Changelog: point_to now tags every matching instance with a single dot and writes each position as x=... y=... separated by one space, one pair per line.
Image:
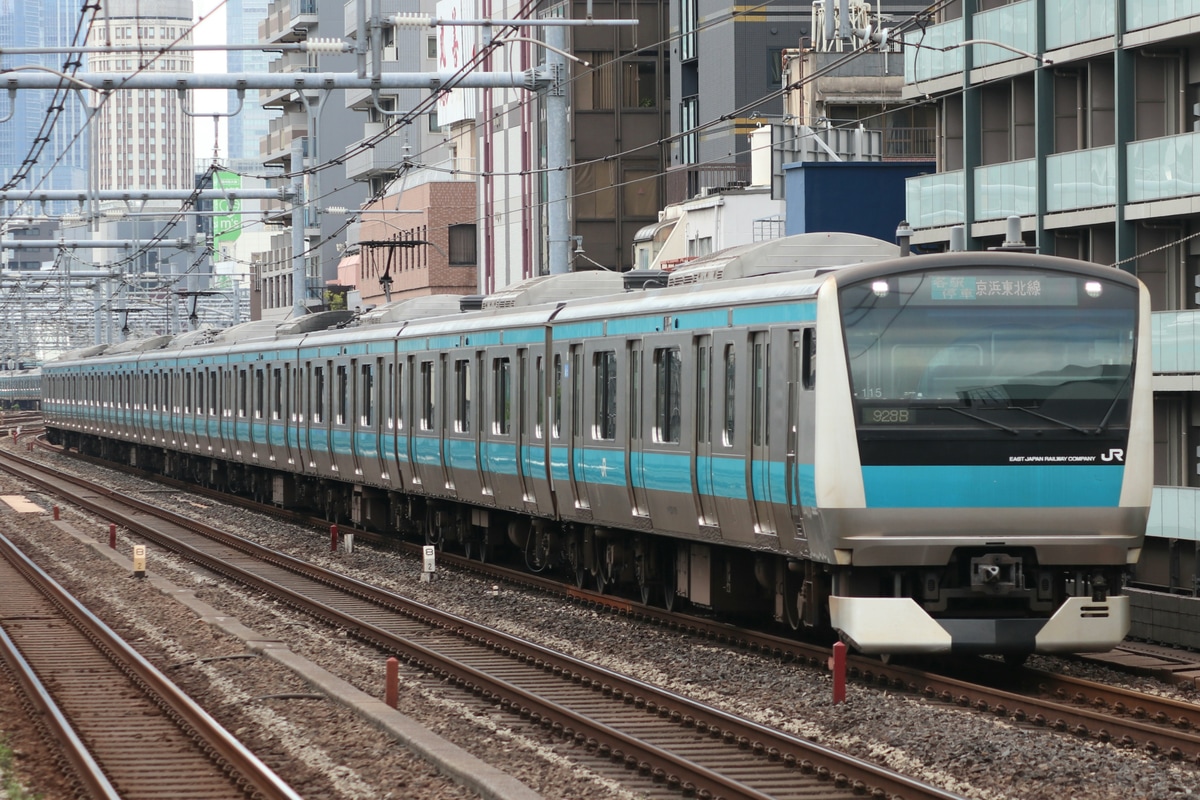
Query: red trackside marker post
x=391 y=692
x=838 y=664
x=333 y=538
x=112 y=536
x=56 y=513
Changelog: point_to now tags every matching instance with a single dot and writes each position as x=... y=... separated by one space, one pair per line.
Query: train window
x=398 y=397
x=808 y=358
x=276 y=393
x=343 y=394
x=556 y=423
x=462 y=396
x=635 y=393
x=187 y=393
x=367 y=403
x=605 y=368
x=318 y=396
x=212 y=392
x=702 y=421
x=730 y=393
x=576 y=391
x=667 y=369
x=427 y=387
x=539 y=417
x=241 y=393
x=295 y=407
x=258 y=394
x=503 y=395
x=758 y=413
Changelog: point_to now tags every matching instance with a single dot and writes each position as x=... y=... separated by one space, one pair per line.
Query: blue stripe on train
x=1033 y=486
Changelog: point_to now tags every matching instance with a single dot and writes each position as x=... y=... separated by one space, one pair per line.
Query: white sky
x=210 y=31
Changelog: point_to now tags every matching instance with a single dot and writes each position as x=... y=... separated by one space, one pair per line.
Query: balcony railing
x=935 y=200
x=684 y=183
x=1081 y=179
x=1165 y=167
x=1002 y=190
x=1072 y=21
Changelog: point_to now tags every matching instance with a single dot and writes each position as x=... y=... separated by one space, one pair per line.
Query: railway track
x=659 y=737
x=1027 y=697
x=122 y=729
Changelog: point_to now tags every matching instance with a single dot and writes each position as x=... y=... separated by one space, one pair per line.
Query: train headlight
x=880 y=288
x=1093 y=288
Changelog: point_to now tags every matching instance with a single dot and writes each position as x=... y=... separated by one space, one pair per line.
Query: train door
x=801 y=374
x=729 y=464
x=576 y=438
x=520 y=403
x=537 y=432
x=637 y=448
x=702 y=469
x=760 y=431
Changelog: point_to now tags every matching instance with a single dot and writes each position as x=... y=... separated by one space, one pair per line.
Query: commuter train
x=930 y=454
x=20 y=388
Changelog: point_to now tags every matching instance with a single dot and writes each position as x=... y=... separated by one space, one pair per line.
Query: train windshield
x=1043 y=349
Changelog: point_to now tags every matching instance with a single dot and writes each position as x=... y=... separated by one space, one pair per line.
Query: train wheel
x=575 y=560
x=792 y=586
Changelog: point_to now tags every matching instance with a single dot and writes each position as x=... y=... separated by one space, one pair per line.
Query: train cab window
x=258 y=393
x=367 y=397
x=318 y=398
x=667 y=372
x=462 y=396
x=343 y=394
x=276 y=393
x=427 y=395
x=502 y=393
x=730 y=393
x=605 y=423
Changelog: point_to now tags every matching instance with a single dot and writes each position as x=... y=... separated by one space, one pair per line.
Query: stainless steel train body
x=21 y=388
x=927 y=454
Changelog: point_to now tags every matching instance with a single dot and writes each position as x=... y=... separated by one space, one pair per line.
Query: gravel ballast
x=327 y=752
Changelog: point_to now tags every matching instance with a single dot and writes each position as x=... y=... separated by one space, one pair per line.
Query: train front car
x=1001 y=407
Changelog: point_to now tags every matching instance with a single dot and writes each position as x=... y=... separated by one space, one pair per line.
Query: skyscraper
x=44 y=143
x=253 y=122
x=139 y=134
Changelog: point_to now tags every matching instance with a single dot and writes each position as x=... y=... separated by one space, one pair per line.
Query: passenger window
x=259 y=393
x=605 y=368
x=702 y=393
x=556 y=425
x=343 y=393
x=462 y=394
x=427 y=387
x=366 y=412
x=667 y=370
x=318 y=414
x=277 y=393
x=730 y=393
x=502 y=392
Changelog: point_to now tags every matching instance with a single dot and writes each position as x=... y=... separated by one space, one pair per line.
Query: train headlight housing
x=880 y=288
x=1093 y=288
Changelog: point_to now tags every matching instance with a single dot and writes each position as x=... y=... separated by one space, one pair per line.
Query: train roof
x=809 y=252
x=434 y=305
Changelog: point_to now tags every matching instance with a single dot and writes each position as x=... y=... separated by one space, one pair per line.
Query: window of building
x=462 y=245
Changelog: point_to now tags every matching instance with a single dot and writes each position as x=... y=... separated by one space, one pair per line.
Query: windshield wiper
x=1055 y=420
x=984 y=420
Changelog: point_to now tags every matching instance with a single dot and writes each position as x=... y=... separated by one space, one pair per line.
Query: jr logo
x=1115 y=454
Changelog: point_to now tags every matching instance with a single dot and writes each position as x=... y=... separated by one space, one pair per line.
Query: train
x=21 y=388
x=921 y=454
